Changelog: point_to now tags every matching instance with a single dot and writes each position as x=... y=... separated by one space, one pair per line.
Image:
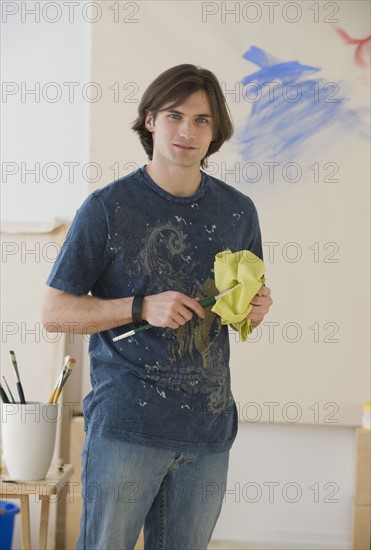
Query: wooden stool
x=44 y=489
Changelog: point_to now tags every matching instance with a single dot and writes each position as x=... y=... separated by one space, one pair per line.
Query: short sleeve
x=255 y=244
x=84 y=254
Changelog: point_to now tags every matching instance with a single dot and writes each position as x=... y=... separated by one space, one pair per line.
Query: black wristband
x=136 y=309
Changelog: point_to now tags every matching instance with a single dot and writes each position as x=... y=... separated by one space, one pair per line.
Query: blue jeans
x=177 y=496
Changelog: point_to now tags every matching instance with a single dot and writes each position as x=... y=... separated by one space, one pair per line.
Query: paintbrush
x=4 y=397
x=67 y=369
x=59 y=380
x=204 y=303
x=17 y=378
x=9 y=390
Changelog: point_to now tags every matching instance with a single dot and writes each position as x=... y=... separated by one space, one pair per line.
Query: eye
x=174 y=116
x=203 y=120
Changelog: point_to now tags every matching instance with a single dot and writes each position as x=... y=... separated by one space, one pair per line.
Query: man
x=161 y=418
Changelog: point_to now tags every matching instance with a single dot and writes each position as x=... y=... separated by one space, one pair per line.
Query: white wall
x=35 y=130
x=40 y=134
x=289 y=486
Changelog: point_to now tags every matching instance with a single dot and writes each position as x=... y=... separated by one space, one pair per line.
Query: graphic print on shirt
x=167 y=258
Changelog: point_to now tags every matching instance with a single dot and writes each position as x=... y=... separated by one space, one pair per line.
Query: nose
x=186 y=130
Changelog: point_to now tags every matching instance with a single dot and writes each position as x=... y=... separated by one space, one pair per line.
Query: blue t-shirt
x=161 y=387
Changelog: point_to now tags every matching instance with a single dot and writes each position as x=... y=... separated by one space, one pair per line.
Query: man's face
x=182 y=134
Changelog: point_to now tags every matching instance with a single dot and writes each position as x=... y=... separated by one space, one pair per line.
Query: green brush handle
x=204 y=303
x=208 y=301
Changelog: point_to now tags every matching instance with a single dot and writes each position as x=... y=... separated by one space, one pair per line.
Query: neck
x=178 y=180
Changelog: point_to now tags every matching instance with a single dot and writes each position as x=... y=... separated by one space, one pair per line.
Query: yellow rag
x=244 y=272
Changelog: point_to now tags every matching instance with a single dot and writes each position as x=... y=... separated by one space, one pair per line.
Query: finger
x=264 y=291
x=171 y=324
x=257 y=312
x=186 y=313
x=265 y=301
x=193 y=305
x=259 y=300
x=255 y=318
x=182 y=319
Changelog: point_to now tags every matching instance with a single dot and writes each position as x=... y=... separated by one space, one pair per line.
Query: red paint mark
x=362 y=52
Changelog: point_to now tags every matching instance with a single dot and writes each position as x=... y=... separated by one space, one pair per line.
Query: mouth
x=184 y=147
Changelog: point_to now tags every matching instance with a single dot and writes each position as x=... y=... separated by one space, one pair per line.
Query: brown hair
x=174 y=86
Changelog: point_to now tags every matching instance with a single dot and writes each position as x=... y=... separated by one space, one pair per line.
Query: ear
x=149 y=122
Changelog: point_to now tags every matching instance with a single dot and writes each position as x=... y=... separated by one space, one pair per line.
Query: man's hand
x=170 y=309
x=261 y=303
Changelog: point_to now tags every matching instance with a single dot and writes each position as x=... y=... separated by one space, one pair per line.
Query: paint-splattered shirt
x=161 y=387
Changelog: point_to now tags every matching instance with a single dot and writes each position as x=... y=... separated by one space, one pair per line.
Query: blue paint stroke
x=280 y=129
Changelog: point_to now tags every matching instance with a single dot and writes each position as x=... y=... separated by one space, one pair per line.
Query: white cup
x=28 y=434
